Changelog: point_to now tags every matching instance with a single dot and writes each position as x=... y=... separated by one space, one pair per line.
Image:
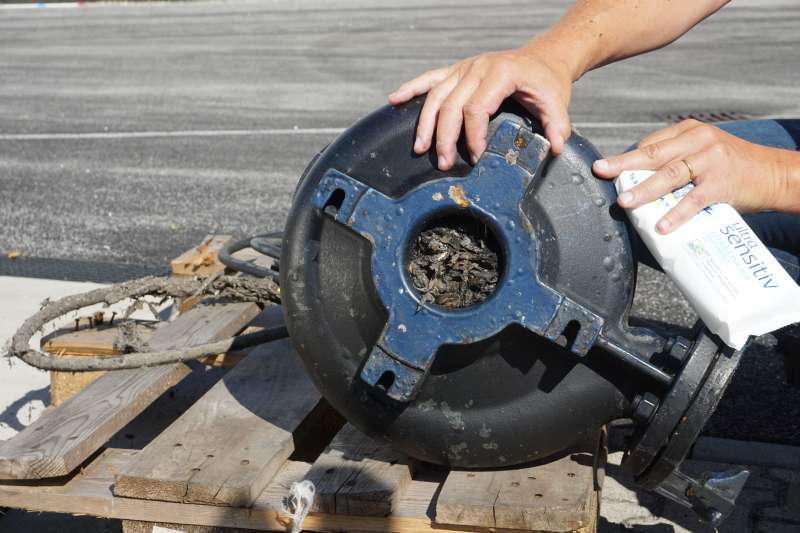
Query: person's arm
x=723 y=167
x=540 y=73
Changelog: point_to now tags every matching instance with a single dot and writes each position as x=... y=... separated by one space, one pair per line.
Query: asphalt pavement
x=128 y=132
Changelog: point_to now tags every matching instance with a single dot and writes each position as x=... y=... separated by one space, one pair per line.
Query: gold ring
x=691 y=171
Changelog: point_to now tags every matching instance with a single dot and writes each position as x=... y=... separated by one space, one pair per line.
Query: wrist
x=787 y=177
x=565 y=60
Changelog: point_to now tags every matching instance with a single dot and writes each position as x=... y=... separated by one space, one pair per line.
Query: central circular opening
x=455 y=262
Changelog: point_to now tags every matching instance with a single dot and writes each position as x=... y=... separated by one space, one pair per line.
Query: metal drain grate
x=710 y=116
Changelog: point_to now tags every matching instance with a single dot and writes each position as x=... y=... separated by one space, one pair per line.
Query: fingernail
x=442 y=162
x=663 y=225
x=473 y=159
x=418 y=144
x=626 y=198
x=601 y=165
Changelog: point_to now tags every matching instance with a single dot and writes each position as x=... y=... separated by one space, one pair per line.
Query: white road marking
x=41 y=5
x=101 y=135
x=155 y=134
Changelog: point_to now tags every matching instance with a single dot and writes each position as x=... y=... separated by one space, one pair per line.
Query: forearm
x=597 y=32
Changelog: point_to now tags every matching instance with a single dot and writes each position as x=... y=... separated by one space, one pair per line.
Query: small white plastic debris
x=299 y=502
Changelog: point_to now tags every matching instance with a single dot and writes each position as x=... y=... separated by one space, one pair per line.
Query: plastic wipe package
x=730 y=278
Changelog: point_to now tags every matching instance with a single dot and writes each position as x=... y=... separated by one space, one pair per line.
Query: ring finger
x=666 y=179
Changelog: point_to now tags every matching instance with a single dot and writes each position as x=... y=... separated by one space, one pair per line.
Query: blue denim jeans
x=778 y=231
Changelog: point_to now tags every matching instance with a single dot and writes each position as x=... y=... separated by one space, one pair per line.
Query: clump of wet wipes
x=455 y=264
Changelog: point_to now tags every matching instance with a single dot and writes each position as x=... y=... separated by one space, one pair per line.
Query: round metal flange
x=693 y=421
x=656 y=434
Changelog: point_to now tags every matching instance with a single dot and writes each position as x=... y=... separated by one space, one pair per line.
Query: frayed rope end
x=299 y=502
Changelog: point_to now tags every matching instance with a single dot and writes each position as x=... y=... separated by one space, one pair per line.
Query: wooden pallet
x=199 y=448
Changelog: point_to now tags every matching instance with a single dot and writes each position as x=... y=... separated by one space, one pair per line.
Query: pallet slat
x=202 y=260
x=67 y=435
x=87 y=341
x=357 y=475
x=555 y=496
x=227 y=447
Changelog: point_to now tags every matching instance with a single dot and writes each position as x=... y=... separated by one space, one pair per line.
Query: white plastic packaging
x=730 y=278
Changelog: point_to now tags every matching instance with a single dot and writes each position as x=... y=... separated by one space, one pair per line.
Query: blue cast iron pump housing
x=546 y=359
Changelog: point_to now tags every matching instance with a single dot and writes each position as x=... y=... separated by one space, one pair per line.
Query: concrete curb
x=717 y=450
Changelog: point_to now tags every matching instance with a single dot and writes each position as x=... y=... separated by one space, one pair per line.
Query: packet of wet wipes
x=730 y=278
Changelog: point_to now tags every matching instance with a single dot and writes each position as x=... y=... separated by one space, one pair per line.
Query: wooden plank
x=85 y=341
x=67 y=435
x=90 y=493
x=554 y=496
x=202 y=260
x=91 y=341
x=229 y=445
x=357 y=475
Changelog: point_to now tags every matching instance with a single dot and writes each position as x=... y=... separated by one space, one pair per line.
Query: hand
x=723 y=167
x=470 y=91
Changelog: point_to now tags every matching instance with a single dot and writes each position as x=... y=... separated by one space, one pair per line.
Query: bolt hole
x=178 y=444
x=515 y=483
x=570 y=334
x=210 y=456
x=571 y=474
x=537 y=495
x=244 y=462
x=334 y=203
x=386 y=380
x=195 y=469
x=470 y=474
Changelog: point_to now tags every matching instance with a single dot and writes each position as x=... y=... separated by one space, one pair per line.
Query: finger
x=697 y=199
x=557 y=127
x=419 y=85
x=651 y=156
x=666 y=179
x=552 y=114
x=451 y=117
x=430 y=110
x=669 y=132
x=485 y=101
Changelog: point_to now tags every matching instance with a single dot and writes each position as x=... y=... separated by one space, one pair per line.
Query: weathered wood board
x=67 y=435
x=94 y=341
x=554 y=496
x=90 y=493
x=357 y=475
x=202 y=260
x=229 y=444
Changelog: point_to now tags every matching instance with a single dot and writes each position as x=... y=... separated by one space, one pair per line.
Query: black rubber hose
x=226 y=256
